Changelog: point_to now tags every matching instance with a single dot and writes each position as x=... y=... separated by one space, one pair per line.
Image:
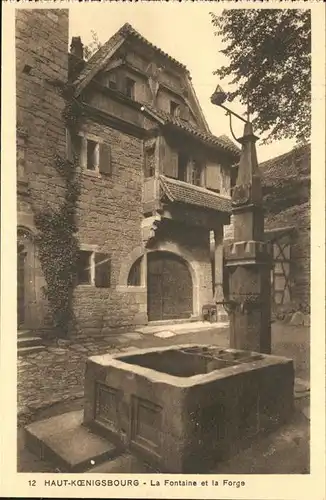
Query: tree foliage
x=269 y=52
x=92 y=47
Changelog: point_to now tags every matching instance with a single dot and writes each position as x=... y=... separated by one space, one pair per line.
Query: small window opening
x=112 y=84
x=149 y=162
x=27 y=69
x=84 y=268
x=91 y=152
x=130 y=88
x=134 y=277
x=174 y=108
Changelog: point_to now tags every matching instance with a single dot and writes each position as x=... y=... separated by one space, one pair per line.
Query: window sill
x=92 y=173
x=87 y=287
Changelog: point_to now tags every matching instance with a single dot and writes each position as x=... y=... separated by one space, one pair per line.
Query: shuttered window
x=102 y=270
x=213 y=177
x=183 y=161
x=196 y=172
x=92 y=155
x=94 y=269
x=169 y=158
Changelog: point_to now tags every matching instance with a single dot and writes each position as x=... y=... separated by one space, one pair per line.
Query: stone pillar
x=218 y=273
x=247 y=257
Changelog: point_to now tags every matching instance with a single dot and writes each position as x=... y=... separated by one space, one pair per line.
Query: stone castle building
x=155 y=181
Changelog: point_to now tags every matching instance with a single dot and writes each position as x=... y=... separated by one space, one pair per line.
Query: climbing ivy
x=56 y=229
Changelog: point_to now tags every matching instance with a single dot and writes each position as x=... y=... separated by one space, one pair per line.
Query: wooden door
x=169 y=287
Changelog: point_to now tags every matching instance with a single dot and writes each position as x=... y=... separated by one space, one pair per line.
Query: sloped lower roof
x=292 y=165
x=103 y=54
x=222 y=141
x=182 y=192
x=296 y=215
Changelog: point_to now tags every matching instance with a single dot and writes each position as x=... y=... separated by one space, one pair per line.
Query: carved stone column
x=247 y=257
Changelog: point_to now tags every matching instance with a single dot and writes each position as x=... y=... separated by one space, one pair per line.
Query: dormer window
x=174 y=108
x=130 y=88
x=112 y=82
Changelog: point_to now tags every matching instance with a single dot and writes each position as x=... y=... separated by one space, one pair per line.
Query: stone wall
x=109 y=218
x=41 y=55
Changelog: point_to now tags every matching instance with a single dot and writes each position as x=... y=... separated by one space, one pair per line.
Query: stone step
x=122 y=464
x=65 y=442
x=28 y=341
x=23 y=351
x=24 y=333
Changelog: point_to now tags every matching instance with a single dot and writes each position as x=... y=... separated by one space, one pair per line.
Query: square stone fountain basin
x=183 y=408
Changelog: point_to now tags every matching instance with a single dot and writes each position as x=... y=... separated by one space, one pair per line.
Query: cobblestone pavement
x=57 y=373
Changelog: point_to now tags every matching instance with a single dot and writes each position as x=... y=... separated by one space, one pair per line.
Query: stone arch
x=127 y=263
x=30 y=279
x=165 y=246
x=135 y=274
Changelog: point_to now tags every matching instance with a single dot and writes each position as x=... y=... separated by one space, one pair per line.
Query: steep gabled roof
x=104 y=53
x=222 y=142
x=102 y=56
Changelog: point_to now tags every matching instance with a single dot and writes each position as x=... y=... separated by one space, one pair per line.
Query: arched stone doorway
x=169 y=287
x=25 y=278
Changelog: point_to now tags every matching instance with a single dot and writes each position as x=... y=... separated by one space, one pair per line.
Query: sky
x=185 y=32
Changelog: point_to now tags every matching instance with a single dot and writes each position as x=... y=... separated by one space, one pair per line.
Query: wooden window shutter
x=213 y=176
x=170 y=161
x=102 y=270
x=105 y=163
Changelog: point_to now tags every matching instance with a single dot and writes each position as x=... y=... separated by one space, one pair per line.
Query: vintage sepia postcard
x=163 y=244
